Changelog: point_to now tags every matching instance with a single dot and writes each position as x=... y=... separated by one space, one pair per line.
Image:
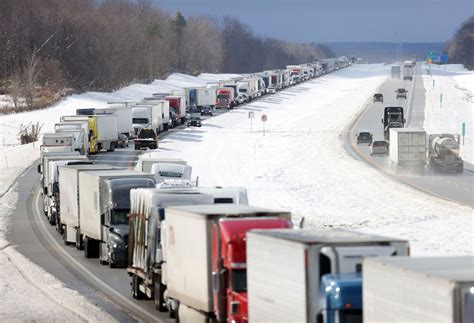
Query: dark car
x=364 y=137
x=194 y=122
x=207 y=110
x=401 y=93
x=378 y=97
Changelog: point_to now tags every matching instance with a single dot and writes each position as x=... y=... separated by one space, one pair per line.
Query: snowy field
x=457 y=88
x=300 y=165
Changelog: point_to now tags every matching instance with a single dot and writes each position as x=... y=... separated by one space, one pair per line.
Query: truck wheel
x=65 y=237
x=52 y=219
x=87 y=248
x=136 y=292
x=79 y=241
x=111 y=147
x=159 y=298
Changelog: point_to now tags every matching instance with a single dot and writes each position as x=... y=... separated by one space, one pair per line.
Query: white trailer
x=163 y=106
x=69 y=203
x=80 y=131
x=123 y=111
x=169 y=171
x=56 y=142
x=428 y=289
x=287 y=269
x=408 y=70
x=206 y=96
x=223 y=195
x=407 y=147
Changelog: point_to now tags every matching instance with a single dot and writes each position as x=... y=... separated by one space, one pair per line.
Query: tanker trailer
x=443 y=153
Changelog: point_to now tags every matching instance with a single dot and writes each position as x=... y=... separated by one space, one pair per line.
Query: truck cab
x=229 y=263
x=393 y=118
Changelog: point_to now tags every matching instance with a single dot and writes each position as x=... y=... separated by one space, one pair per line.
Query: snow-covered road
x=301 y=165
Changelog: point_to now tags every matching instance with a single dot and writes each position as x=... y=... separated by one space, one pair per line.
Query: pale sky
x=338 y=20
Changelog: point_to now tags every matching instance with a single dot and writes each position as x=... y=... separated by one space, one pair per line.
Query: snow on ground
x=27 y=292
x=300 y=165
x=456 y=85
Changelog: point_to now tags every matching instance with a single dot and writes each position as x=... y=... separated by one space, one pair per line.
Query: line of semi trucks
x=92 y=130
x=204 y=254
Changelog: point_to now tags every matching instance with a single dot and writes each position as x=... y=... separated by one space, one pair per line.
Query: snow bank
x=456 y=86
x=300 y=164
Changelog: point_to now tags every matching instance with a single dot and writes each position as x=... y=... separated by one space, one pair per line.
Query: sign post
x=251 y=116
x=440 y=100
x=264 y=119
x=463 y=132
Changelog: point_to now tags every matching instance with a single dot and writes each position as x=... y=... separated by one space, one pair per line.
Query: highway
x=458 y=188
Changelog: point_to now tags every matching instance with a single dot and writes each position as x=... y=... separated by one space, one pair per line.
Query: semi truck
x=69 y=203
x=393 y=117
x=80 y=133
x=146 y=254
x=408 y=70
x=443 y=153
x=102 y=131
x=310 y=275
x=171 y=172
x=225 y=98
x=148 y=159
x=50 y=182
x=206 y=96
x=146 y=116
x=104 y=203
x=178 y=103
x=421 y=289
x=212 y=239
x=226 y=195
x=395 y=71
x=146 y=138
x=56 y=142
x=407 y=148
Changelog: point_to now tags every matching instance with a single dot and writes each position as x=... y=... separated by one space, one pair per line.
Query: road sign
x=264 y=118
x=463 y=132
x=251 y=114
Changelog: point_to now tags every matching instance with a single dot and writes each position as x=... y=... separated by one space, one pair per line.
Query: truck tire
x=136 y=292
x=87 y=248
x=52 y=219
x=65 y=237
x=159 y=290
x=79 y=240
x=111 y=147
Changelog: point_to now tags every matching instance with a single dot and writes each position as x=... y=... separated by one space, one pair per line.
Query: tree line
x=103 y=45
x=461 y=47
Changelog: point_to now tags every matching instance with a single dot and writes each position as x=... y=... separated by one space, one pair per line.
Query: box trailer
x=56 y=142
x=146 y=161
x=407 y=147
x=163 y=107
x=428 y=289
x=69 y=203
x=206 y=96
x=294 y=275
x=104 y=203
x=123 y=112
x=146 y=116
x=80 y=131
x=178 y=103
x=205 y=258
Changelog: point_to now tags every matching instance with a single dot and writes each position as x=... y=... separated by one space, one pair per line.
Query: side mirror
x=381 y=120
x=45 y=190
x=215 y=281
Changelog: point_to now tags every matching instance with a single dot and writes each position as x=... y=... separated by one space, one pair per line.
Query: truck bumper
x=118 y=258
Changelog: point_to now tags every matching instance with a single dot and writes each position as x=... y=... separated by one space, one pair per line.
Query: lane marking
x=97 y=280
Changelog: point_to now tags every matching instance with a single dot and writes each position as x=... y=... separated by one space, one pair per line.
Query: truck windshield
x=119 y=217
x=140 y=120
x=223 y=96
x=239 y=280
x=395 y=117
x=351 y=316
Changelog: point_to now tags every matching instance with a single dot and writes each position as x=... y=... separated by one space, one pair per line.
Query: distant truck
x=407 y=147
x=123 y=112
x=57 y=142
x=393 y=117
x=178 y=103
x=214 y=287
x=69 y=203
x=146 y=161
x=310 y=275
x=80 y=131
x=443 y=153
x=206 y=96
x=407 y=289
x=408 y=70
x=152 y=114
x=225 y=98
x=395 y=71
x=102 y=131
x=104 y=204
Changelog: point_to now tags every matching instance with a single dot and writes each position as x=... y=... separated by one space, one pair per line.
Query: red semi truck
x=206 y=259
x=225 y=98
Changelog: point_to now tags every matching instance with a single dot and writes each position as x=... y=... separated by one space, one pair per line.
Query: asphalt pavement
x=453 y=187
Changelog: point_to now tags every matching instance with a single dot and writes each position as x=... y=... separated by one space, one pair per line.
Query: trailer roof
x=460 y=269
x=117 y=173
x=407 y=130
x=317 y=236
x=92 y=167
x=228 y=209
